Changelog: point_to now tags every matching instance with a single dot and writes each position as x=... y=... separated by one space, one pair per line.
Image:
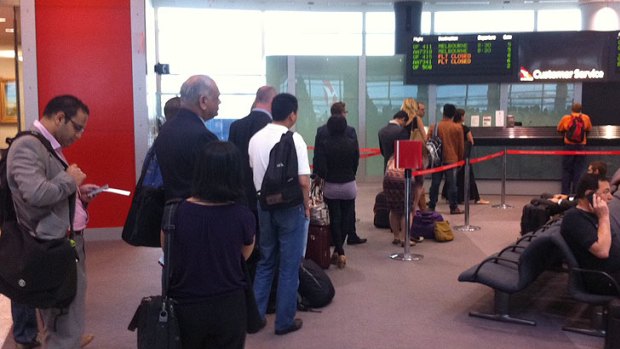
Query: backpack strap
x=46 y=143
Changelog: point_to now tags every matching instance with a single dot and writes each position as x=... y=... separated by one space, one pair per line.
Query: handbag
x=143 y=223
x=35 y=272
x=157 y=324
x=393 y=172
x=155 y=319
x=443 y=231
x=319 y=212
x=424 y=224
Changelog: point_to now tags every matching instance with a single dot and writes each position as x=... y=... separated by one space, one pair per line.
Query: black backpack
x=280 y=187
x=576 y=129
x=315 y=287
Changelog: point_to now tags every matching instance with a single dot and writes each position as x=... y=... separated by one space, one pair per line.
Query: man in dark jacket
x=393 y=131
x=243 y=129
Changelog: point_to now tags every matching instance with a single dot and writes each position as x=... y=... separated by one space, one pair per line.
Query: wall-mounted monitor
x=444 y=59
x=539 y=57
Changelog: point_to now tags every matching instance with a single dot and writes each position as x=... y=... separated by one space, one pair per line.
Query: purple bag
x=424 y=224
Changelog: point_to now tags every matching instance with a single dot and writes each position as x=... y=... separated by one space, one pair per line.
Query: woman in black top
x=459 y=118
x=213 y=236
x=337 y=163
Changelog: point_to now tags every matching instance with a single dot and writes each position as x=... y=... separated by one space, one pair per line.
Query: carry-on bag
x=381 y=211
x=155 y=319
x=424 y=224
x=319 y=239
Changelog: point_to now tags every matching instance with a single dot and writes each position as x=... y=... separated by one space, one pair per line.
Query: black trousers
x=342 y=221
x=216 y=323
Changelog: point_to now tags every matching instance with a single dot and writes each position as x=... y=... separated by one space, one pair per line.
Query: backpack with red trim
x=576 y=129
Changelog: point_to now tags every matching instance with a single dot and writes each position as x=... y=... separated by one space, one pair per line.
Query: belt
x=79 y=232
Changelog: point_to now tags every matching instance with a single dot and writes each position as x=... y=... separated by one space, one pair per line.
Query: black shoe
x=356 y=241
x=297 y=323
x=33 y=344
x=456 y=211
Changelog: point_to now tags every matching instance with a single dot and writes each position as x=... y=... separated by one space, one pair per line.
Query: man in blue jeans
x=452 y=150
x=284 y=231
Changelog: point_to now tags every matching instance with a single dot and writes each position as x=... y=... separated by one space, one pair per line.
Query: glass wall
x=539 y=104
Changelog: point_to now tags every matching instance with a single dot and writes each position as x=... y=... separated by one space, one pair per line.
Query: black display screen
x=455 y=58
x=563 y=56
x=539 y=57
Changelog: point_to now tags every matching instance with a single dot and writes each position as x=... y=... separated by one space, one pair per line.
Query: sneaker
x=417 y=238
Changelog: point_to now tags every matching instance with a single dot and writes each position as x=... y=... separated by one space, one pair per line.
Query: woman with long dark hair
x=213 y=236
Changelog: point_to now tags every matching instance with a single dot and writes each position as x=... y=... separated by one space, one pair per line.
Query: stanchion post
x=466 y=196
x=503 y=204
x=406 y=160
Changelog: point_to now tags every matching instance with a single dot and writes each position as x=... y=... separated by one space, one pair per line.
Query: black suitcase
x=534 y=216
x=381 y=211
x=319 y=239
x=612 y=332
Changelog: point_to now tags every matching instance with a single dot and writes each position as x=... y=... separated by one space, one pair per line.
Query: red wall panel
x=84 y=49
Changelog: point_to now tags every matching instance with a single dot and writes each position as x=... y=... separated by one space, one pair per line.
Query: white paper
x=117 y=191
x=499 y=118
x=474 y=121
x=487 y=121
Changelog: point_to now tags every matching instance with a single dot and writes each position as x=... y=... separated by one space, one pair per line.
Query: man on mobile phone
x=587 y=230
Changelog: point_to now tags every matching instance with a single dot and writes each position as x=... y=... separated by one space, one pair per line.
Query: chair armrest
x=511 y=247
x=605 y=275
x=493 y=259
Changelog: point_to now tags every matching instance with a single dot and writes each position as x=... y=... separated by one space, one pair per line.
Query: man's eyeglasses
x=77 y=127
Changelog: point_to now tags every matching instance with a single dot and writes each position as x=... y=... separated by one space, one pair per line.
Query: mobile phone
x=94 y=193
x=590 y=198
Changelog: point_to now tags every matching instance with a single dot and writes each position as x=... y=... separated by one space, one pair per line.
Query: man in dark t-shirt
x=587 y=229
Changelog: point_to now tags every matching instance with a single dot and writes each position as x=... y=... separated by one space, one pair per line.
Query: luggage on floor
x=381 y=211
x=534 y=216
x=612 y=332
x=319 y=239
x=424 y=224
x=315 y=287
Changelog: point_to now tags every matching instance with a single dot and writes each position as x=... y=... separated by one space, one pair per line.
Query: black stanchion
x=406 y=255
x=466 y=195
x=503 y=204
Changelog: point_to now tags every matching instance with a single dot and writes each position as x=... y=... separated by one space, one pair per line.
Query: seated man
x=587 y=230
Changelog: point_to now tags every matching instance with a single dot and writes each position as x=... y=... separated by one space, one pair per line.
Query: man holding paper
x=43 y=189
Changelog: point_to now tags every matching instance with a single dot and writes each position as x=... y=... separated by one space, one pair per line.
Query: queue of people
x=213 y=224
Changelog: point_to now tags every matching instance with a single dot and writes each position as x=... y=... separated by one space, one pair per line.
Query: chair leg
x=502 y=304
x=598 y=323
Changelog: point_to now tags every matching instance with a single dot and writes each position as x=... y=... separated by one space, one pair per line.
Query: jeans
x=24 y=323
x=284 y=234
x=450 y=182
x=573 y=167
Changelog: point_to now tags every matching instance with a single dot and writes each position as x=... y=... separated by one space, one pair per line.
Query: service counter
x=489 y=140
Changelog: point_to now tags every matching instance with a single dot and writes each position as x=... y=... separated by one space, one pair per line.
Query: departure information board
x=457 y=58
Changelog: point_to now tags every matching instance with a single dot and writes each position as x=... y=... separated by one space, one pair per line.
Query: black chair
x=507 y=275
x=577 y=288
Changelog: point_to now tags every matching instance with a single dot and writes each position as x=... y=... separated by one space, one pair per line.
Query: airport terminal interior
x=519 y=66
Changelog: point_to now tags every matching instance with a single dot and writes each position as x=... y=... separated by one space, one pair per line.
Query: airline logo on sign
x=576 y=74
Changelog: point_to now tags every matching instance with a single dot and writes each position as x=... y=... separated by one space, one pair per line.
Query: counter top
x=542 y=136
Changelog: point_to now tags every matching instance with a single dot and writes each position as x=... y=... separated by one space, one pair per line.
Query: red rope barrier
x=486 y=158
x=563 y=152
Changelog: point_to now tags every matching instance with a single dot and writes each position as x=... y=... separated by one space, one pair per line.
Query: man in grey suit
x=42 y=192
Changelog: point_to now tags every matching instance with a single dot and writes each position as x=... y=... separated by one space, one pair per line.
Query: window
x=483 y=21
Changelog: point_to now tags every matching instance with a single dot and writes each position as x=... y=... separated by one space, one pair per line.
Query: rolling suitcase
x=381 y=211
x=534 y=216
x=319 y=238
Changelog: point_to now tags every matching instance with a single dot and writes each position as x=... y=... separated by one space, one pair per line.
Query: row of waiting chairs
x=518 y=265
